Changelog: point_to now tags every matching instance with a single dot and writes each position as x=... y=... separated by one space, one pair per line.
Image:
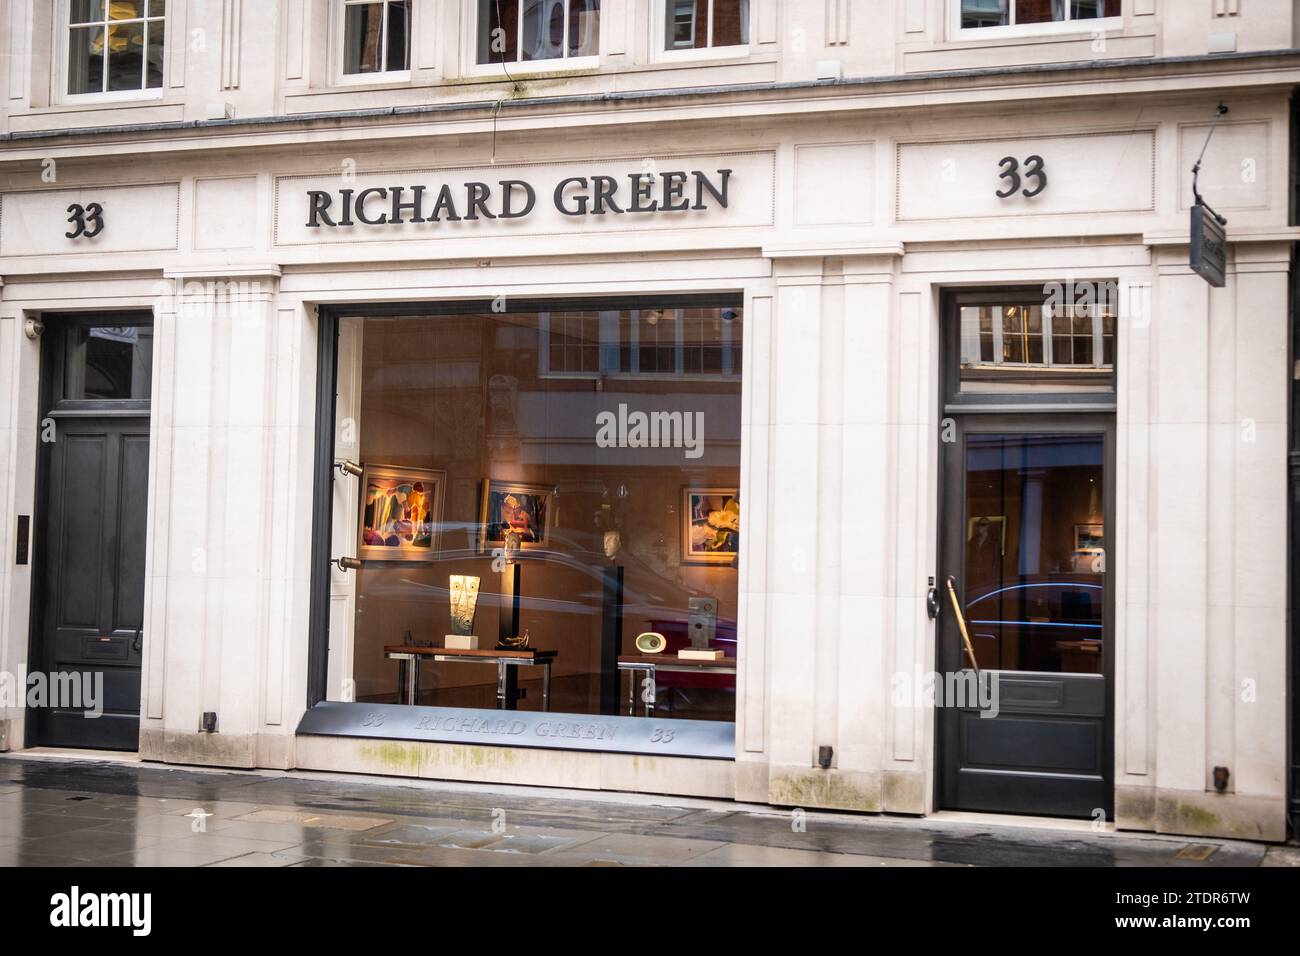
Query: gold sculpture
x=517 y=643
x=464 y=599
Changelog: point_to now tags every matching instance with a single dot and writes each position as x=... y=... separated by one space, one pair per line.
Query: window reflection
x=108 y=363
x=115 y=46
x=564 y=442
x=376 y=36
x=1035 y=551
x=1021 y=344
x=524 y=30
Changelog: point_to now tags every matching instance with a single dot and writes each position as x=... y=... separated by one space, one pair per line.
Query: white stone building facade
x=865 y=143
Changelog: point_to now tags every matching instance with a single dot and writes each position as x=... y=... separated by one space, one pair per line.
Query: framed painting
x=1089 y=539
x=513 y=506
x=982 y=530
x=400 y=512
x=710 y=525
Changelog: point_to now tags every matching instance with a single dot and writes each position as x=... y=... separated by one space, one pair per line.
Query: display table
x=411 y=656
x=651 y=664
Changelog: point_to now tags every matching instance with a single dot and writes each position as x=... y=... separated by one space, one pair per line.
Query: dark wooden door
x=1026 y=507
x=88 y=636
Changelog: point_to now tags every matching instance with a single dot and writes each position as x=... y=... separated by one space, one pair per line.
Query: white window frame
x=1107 y=25
x=469 y=15
x=63 y=14
x=659 y=33
x=1046 y=335
x=338 y=24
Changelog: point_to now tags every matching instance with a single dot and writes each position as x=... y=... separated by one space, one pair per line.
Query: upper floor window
x=376 y=36
x=115 y=46
x=546 y=30
x=699 y=24
x=1004 y=13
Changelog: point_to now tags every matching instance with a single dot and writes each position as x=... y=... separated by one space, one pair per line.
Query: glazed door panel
x=1025 y=693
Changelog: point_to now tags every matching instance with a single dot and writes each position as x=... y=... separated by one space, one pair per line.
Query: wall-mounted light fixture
x=347 y=564
x=32 y=328
x=349 y=468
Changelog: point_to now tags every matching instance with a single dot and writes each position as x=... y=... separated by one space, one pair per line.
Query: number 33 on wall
x=1034 y=169
x=87 y=221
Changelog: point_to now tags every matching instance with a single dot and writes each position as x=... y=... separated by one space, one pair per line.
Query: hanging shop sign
x=733 y=189
x=1209 y=242
x=1209 y=246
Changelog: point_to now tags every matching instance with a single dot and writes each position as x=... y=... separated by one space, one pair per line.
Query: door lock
x=932 y=600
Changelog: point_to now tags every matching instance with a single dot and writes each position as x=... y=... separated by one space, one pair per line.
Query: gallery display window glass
x=558 y=478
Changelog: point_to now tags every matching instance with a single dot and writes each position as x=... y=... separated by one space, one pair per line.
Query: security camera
x=33 y=328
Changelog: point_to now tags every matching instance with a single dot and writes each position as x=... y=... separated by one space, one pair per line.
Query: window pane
x=157 y=8
x=688 y=24
x=86 y=11
x=126 y=56
x=985 y=13
x=363 y=24
x=1035 y=538
x=469 y=450
x=498 y=31
x=86 y=60
x=1093 y=9
x=584 y=27
x=1039 y=11
x=125 y=9
x=730 y=22
x=154 y=64
x=543 y=29
x=1035 y=346
x=1020 y=347
x=397 y=42
x=108 y=363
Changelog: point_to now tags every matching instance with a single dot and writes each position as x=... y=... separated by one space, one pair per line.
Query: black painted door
x=1024 y=695
x=88 y=631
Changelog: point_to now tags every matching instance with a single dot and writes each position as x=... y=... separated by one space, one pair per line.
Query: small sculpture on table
x=463 y=592
x=517 y=643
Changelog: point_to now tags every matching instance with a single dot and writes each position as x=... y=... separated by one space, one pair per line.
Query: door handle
x=961 y=625
x=137 y=644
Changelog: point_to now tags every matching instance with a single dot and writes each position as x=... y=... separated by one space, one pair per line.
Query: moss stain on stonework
x=399 y=758
x=1193 y=819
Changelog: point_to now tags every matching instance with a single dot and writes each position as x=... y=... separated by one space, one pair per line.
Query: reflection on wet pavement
x=72 y=812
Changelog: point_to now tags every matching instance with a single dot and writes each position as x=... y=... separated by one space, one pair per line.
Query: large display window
x=536 y=506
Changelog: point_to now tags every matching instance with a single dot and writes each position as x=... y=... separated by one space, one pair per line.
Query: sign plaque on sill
x=1209 y=257
x=713 y=739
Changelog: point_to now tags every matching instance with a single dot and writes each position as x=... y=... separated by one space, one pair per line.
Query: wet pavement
x=77 y=812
